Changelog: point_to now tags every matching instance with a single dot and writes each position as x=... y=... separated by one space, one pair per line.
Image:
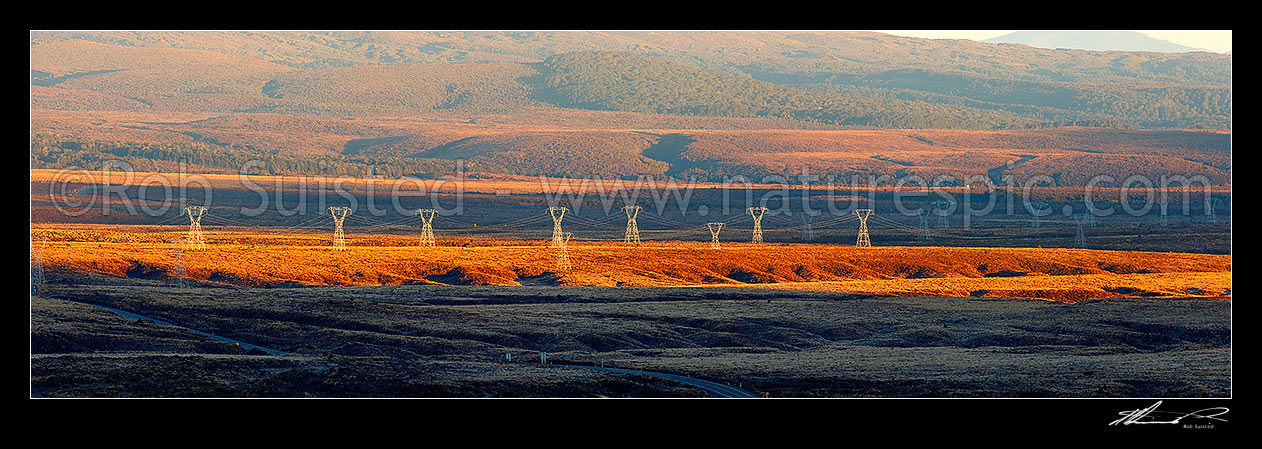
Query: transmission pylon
x=1034 y=214
x=1080 y=240
x=37 y=264
x=176 y=277
x=557 y=213
x=944 y=220
x=924 y=224
x=195 y=239
x=863 y=227
x=714 y=234
x=633 y=230
x=563 y=256
x=339 y=215
x=807 y=232
x=1164 y=207
x=427 y=229
x=757 y=213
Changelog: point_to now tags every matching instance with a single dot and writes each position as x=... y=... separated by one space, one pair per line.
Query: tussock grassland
x=629 y=145
x=408 y=341
x=293 y=259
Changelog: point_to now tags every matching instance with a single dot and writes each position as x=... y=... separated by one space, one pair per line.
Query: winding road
x=714 y=388
x=133 y=316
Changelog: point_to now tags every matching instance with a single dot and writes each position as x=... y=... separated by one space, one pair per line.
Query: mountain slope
x=731 y=52
x=404 y=88
x=1092 y=40
x=631 y=82
x=883 y=80
x=711 y=104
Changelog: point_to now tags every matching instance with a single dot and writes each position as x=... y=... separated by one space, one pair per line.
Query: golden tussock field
x=254 y=259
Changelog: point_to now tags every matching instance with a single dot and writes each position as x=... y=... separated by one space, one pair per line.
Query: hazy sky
x=1213 y=40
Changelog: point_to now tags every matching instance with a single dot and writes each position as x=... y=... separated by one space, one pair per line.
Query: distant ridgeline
x=839 y=78
x=682 y=104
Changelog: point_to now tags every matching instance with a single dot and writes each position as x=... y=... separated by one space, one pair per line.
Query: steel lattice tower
x=807 y=232
x=863 y=227
x=944 y=220
x=427 y=229
x=176 y=277
x=37 y=264
x=195 y=239
x=557 y=213
x=1164 y=208
x=757 y=213
x=1034 y=214
x=633 y=230
x=563 y=256
x=924 y=224
x=714 y=234
x=339 y=237
x=1080 y=240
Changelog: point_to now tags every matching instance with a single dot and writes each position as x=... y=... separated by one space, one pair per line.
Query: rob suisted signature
x=1150 y=415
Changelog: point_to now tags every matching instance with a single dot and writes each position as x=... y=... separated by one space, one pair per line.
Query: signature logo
x=1151 y=415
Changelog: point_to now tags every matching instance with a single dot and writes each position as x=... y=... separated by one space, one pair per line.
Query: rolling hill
x=874 y=73
x=630 y=82
x=710 y=104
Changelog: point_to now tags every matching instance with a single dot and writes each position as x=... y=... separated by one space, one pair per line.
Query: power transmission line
x=863 y=239
x=808 y=234
x=557 y=214
x=757 y=213
x=37 y=264
x=1080 y=240
x=176 y=277
x=339 y=237
x=633 y=229
x=563 y=256
x=1164 y=207
x=941 y=210
x=1035 y=215
x=427 y=230
x=924 y=224
x=195 y=240
x=714 y=233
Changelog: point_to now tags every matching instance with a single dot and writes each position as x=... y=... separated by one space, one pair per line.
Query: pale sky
x=1212 y=40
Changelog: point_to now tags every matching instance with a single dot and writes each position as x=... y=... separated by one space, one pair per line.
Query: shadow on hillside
x=45 y=79
x=668 y=149
x=355 y=146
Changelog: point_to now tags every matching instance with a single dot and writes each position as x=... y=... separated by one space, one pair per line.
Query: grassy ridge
x=631 y=82
x=1070 y=156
